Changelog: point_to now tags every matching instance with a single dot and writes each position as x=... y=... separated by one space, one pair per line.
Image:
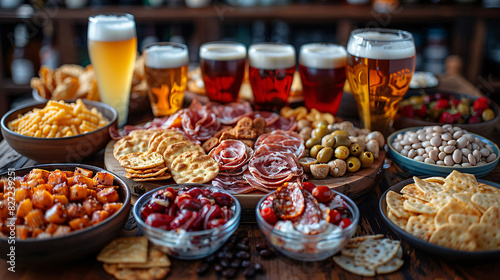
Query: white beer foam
x=382 y=50
x=271 y=56
x=221 y=51
x=166 y=56
x=322 y=56
x=111 y=28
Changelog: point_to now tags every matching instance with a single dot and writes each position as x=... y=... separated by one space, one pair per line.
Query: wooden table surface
x=418 y=265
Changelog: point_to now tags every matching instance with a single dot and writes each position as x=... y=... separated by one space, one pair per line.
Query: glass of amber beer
x=165 y=68
x=223 y=68
x=271 y=69
x=380 y=64
x=112 y=45
x=322 y=72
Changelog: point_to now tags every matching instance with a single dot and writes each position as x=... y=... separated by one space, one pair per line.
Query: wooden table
x=418 y=265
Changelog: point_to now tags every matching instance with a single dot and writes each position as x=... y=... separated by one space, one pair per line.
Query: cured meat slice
x=199 y=121
x=290 y=140
x=263 y=186
x=231 y=113
x=269 y=117
x=234 y=172
x=283 y=124
x=289 y=202
x=232 y=184
x=231 y=154
x=274 y=165
x=309 y=222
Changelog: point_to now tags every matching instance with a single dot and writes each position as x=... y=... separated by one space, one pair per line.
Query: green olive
x=366 y=159
x=322 y=123
x=312 y=141
x=340 y=132
x=329 y=128
x=320 y=131
x=324 y=155
x=488 y=115
x=342 y=140
x=315 y=150
x=328 y=141
x=353 y=164
x=355 y=150
x=342 y=152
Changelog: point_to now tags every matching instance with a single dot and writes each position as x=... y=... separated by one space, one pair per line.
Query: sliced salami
x=309 y=221
x=289 y=202
x=283 y=124
x=231 y=155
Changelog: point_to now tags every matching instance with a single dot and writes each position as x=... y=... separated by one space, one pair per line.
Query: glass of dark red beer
x=271 y=69
x=322 y=72
x=223 y=68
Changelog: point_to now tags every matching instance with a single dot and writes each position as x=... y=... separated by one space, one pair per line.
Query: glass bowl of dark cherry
x=187 y=221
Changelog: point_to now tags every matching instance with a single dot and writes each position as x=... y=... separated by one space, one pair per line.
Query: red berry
x=480 y=104
x=442 y=104
x=422 y=111
x=269 y=216
x=446 y=117
x=455 y=102
x=322 y=193
x=475 y=119
x=457 y=117
x=334 y=216
x=345 y=222
x=308 y=186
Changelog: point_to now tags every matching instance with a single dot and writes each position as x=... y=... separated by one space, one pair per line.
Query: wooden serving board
x=351 y=184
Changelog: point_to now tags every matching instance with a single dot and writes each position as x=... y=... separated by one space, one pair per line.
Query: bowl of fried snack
x=456 y=218
x=63 y=212
x=57 y=131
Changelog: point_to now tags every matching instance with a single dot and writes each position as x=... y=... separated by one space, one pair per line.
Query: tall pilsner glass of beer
x=271 y=69
x=380 y=64
x=166 y=67
x=112 y=45
x=322 y=71
x=223 y=68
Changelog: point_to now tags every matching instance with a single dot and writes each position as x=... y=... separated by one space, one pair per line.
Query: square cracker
x=356 y=241
x=347 y=263
x=373 y=253
x=194 y=167
x=488 y=189
x=411 y=190
x=454 y=237
x=418 y=206
x=421 y=226
x=460 y=182
x=452 y=207
x=427 y=186
x=400 y=222
x=487 y=236
x=153 y=273
x=491 y=216
x=176 y=149
x=156 y=258
x=125 y=250
x=395 y=202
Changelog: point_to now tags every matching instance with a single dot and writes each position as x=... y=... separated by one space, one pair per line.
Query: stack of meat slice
x=275 y=160
x=232 y=157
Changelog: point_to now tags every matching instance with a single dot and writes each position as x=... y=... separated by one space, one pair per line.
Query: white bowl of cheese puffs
x=56 y=131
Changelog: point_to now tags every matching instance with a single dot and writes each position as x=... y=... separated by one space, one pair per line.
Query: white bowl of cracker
x=457 y=217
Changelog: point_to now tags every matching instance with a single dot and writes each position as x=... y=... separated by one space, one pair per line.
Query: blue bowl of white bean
x=438 y=150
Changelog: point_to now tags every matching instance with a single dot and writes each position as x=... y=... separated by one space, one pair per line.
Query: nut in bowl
x=300 y=227
x=438 y=150
x=187 y=221
x=61 y=132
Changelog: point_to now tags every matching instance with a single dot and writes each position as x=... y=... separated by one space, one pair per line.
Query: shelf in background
x=15 y=89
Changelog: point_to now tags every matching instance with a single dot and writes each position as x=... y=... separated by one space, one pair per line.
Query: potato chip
x=66 y=89
x=421 y=226
x=454 y=237
x=125 y=250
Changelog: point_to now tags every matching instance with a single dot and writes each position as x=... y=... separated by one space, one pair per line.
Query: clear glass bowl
x=183 y=244
x=309 y=247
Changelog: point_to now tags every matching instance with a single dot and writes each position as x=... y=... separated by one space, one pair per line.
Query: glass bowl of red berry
x=187 y=221
x=307 y=222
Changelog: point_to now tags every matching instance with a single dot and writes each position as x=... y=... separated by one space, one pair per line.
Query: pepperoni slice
x=289 y=202
x=309 y=221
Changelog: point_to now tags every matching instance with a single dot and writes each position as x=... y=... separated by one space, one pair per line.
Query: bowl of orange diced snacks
x=59 y=212
x=59 y=131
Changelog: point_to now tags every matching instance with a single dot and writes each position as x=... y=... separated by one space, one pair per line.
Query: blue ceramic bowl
x=433 y=249
x=421 y=168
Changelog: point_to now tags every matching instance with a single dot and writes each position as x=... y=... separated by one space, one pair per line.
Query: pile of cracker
x=130 y=258
x=371 y=254
x=455 y=212
x=153 y=155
